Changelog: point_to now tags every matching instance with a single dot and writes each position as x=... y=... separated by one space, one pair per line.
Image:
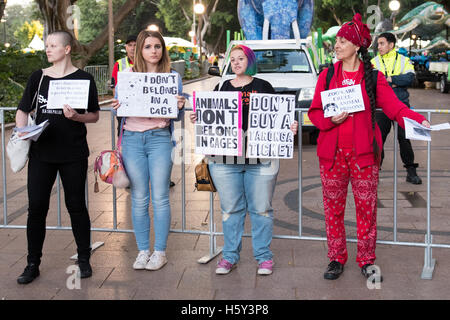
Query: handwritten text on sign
x=336 y=101
x=147 y=94
x=219 y=123
x=74 y=93
x=269 y=134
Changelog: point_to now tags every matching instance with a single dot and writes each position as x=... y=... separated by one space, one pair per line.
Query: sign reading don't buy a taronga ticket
x=151 y=95
x=269 y=135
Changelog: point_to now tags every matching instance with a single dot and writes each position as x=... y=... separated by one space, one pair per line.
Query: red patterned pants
x=364 y=185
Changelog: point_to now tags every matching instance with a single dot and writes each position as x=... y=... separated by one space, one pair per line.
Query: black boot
x=85 y=268
x=367 y=271
x=83 y=263
x=334 y=270
x=412 y=176
x=30 y=273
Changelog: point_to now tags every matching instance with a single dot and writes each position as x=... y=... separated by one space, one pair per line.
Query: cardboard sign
x=149 y=95
x=218 y=129
x=74 y=93
x=336 y=101
x=269 y=135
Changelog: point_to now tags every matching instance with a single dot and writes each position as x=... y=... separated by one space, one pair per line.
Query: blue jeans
x=242 y=188
x=147 y=158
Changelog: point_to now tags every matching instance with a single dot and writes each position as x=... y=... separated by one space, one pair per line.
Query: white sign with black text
x=74 y=93
x=149 y=95
x=269 y=135
x=347 y=99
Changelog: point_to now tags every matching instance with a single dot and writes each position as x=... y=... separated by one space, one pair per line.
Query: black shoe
x=171 y=184
x=412 y=176
x=334 y=270
x=367 y=272
x=85 y=269
x=30 y=273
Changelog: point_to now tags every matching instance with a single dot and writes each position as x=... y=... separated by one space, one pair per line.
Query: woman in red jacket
x=349 y=147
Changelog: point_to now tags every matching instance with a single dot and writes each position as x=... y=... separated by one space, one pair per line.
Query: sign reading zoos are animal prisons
x=218 y=128
x=74 y=93
x=336 y=101
x=147 y=94
x=269 y=135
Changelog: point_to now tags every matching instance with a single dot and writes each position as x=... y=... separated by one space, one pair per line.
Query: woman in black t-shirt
x=245 y=184
x=62 y=147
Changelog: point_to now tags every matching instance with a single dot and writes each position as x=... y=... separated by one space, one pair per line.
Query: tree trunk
x=2 y=8
x=219 y=38
x=56 y=18
x=336 y=17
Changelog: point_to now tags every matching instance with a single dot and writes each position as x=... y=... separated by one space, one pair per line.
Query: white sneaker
x=157 y=260
x=141 y=260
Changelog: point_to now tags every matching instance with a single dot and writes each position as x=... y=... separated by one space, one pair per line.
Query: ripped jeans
x=242 y=188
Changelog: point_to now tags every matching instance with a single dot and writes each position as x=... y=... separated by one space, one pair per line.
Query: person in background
x=349 y=147
x=62 y=147
x=399 y=73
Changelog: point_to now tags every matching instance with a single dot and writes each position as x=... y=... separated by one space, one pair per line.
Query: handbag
x=203 y=178
x=109 y=166
x=17 y=149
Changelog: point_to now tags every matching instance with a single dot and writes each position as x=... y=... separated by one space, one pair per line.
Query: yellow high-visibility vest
x=393 y=64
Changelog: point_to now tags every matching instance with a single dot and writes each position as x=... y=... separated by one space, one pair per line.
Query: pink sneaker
x=265 y=268
x=224 y=266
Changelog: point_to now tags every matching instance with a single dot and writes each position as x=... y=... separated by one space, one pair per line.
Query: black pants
x=41 y=177
x=406 y=151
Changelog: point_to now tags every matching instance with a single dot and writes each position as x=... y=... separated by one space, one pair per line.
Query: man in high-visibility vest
x=399 y=73
x=125 y=62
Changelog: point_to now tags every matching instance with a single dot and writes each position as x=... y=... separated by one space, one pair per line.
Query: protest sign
x=218 y=128
x=149 y=95
x=347 y=99
x=269 y=135
x=74 y=93
x=417 y=131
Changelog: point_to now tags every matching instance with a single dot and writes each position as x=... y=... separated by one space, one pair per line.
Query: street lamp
x=394 y=5
x=199 y=8
x=4 y=29
x=153 y=27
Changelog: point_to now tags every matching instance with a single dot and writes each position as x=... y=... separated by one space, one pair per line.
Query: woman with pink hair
x=245 y=184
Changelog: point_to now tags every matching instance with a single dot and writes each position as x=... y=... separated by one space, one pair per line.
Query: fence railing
x=428 y=244
x=101 y=76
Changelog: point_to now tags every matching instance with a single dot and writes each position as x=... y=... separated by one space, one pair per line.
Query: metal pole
x=395 y=179
x=58 y=198
x=113 y=146
x=110 y=36
x=300 y=191
x=183 y=176
x=429 y=263
x=5 y=205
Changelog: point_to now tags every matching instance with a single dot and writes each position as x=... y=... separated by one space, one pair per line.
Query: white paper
x=74 y=93
x=416 y=131
x=336 y=101
x=269 y=135
x=219 y=123
x=147 y=94
x=34 y=132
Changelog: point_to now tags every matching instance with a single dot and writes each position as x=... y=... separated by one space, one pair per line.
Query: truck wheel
x=444 y=84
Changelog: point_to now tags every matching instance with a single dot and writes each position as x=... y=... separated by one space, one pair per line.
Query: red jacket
x=362 y=128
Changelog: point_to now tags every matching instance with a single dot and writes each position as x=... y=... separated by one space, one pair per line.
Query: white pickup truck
x=287 y=65
x=442 y=70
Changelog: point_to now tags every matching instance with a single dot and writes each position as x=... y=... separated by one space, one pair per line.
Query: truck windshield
x=280 y=61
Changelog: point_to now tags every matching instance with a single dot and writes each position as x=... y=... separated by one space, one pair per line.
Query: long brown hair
x=139 y=62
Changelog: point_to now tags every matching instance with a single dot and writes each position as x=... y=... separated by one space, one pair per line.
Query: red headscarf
x=356 y=32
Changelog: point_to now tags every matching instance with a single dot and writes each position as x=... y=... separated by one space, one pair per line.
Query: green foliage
x=26 y=32
x=15 y=69
x=174 y=20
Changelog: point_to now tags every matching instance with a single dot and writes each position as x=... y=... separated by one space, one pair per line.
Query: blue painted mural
x=276 y=17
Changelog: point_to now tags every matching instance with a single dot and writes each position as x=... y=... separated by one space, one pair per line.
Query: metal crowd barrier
x=429 y=262
x=101 y=77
